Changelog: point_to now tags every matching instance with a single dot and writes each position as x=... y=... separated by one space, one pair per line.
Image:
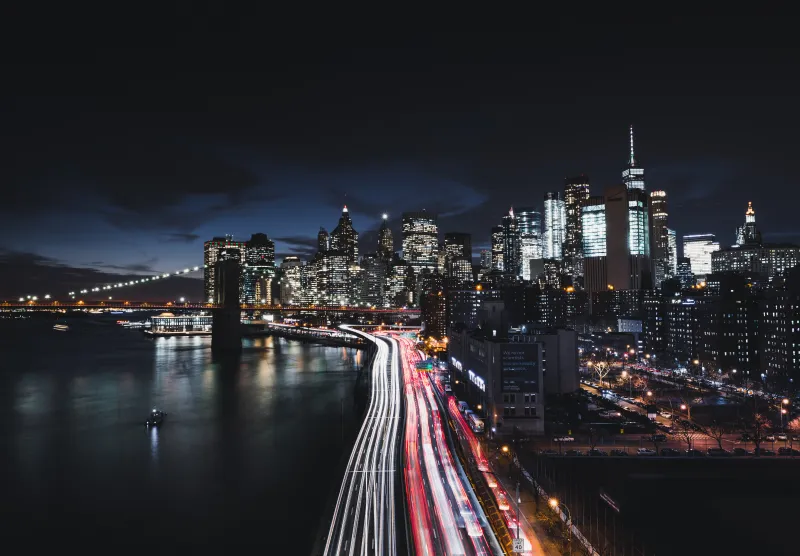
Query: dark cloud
x=301 y=245
x=146 y=266
x=180 y=238
x=23 y=274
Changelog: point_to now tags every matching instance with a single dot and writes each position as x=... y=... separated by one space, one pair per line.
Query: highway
x=442 y=516
x=364 y=519
x=506 y=501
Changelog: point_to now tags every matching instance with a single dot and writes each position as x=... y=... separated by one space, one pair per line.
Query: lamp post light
x=630 y=382
x=555 y=504
x=687 y=408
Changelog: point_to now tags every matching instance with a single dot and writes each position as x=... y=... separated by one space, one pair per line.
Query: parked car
x=742 y=452
x=573 y=453
x=769 y=438
x=719 y=453
x=763 y=452
x=619 y=453
x=596 y=452
x=788 y=452
x=670 y=452
x=694 y=453
x=646 y=452
x=782 y=437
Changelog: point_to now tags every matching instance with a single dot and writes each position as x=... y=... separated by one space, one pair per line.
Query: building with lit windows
x=512 y=253
x=769 y=260
x=335 y=278
x=291 y=286
x=497 y=249
x=258 y=271
x=385 y=240
x=373 y=291
x=211 y=251
x=662 y=268
x=344 y=238
x=554 y=226
x=593 y=217
x=698 y=249
x=747 y=233
x=420 y=240
x=460 y=271
x=672 y=247
x=576 y=195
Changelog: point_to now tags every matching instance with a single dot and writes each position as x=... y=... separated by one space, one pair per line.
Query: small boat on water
x=61 y=327
x=155 y=419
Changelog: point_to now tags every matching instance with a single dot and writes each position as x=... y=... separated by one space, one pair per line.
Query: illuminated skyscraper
x=258 y=270
x=497 y=248
x=554 y=226
x=512 y=253
x=373 y=285
x=486 y=260
x=633 y=174
x=747 y=233
x=698 y=248
x=529 y=223
x=291 y=281
x=458 y=244
x=420 y=240
x=672 y=246
x=211 y=251
x=344 y=238
x=385 y=240
x=593 y=226
x=323 y=241
x=576 y=195
x=660 y=236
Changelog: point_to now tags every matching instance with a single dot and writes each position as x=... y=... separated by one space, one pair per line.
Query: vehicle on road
x=646 y=452
x=766 y=452
x=694 y=453
x=619 y=453
x=596 y=452
x=788 y=452
x=782 y=437
x=670 y=452
x=155 y=419
x=742 y=452
x=769 y=438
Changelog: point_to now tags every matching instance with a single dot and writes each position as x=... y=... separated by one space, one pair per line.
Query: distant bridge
x=169 y=305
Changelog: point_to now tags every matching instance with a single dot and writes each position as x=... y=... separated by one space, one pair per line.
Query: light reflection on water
x=240 y=434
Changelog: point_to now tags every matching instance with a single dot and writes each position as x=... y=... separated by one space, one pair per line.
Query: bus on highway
x=475 y=423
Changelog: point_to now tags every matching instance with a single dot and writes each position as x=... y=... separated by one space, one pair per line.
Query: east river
x=247 y=458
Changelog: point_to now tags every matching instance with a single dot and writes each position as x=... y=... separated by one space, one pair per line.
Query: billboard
x=519 y=367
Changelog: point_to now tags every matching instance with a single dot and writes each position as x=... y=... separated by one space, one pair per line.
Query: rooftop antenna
x=633 y=160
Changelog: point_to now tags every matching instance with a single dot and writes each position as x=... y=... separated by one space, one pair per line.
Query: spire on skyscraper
x=632 y=161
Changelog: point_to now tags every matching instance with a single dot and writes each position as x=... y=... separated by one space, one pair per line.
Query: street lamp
x=630 y=382
x=504 y=449
x=687 y=409
x=555 y=504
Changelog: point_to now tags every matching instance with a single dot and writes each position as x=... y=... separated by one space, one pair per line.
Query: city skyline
x=117 y=186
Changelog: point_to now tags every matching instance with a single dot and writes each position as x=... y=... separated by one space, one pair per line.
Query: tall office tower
x=433 y=307
x=458 y=244
x=385 y=240
x=497 y=248
x=308 y=281
x=292 y=281
x=616 y=238
x=529 y=223
x=441 y=259
x=373 y=284
x=344 y=237
x=747 y=233
x=460 y=271
x=486 y=260
x=512 y=254
x=633 y=174
x=323 y=241
x=334 y=278
x=576 y=195
x=211 y=251
x=593 y=224
x=684 y=272
x=420 y=240
x=672 y=246
x=660 y=237
x=555 y=221
x=258 y=270
x=698 y=248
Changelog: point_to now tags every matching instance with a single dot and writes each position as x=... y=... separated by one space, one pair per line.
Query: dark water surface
x=247 y=457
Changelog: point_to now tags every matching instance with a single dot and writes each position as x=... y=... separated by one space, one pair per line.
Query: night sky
x=125 y=159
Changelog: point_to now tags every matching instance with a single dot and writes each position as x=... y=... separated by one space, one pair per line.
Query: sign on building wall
x=519 y=367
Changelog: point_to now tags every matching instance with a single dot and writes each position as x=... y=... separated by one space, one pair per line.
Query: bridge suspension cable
x=126 y=284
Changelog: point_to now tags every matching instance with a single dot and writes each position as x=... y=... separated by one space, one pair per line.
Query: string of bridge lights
x=108 y=287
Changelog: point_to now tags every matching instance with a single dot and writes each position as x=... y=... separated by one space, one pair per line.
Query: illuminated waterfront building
x=211 y=251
